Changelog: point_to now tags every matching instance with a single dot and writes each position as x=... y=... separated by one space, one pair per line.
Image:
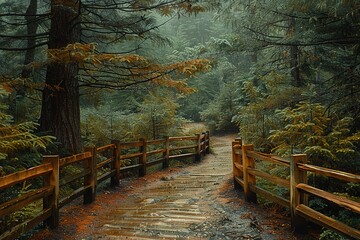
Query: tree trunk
x=294 y=63
x=60 y=112
x=32 y=26
x=294 y=57
x=19 y=94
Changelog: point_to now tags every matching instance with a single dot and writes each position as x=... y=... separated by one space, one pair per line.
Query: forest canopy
x=274 y=71
x=283 y=74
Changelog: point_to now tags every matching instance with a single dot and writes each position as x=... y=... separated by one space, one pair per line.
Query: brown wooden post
x=248 y=162
x=198 y=148
x=207 y=142
x=52 y=201
x=203 y=144
x=166 y=155
x=91 y=178
x=297 y=197
x=142 y=158
x=115 y=165
x=236 y=158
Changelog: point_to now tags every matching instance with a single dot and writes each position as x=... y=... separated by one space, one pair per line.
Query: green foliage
x=17 y=137
x=157 y=116
x=305 y=127
x=219 y=113
x=154 y=117
x=331 y=235
x=308 y=130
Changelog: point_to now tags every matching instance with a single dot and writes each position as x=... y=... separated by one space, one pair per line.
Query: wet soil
x=193 y=202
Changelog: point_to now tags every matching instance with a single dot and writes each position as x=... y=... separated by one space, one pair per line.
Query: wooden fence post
x=249 y=179
x=198 y=148
x=142 y=158
x=297 y=197
x=115 y=165
x=52 y=201
x=166 y=155
x=236 y=158
x=203 y=143
x=91 y=178
x=207 y=142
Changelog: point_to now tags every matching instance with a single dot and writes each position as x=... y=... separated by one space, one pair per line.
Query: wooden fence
x=97 y=165
x=245 y=174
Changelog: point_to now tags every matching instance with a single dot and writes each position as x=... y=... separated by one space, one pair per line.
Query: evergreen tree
x=72 y=65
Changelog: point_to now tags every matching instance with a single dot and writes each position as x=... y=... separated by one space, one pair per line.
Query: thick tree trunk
x=60 y=112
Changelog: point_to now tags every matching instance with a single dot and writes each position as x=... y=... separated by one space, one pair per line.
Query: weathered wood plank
x=90 y=179
x=74 y=195
x=183 y=147
x=271 y=178
x=125 y=145
x=18 y=177
x=131 y=155
x=75 y=158
x=182 y=155
x=106 y=147
x=349 y=177
x=239 y=181
x=52 y=201
x=157 y=141
x=266 y=158
x=184 y=138
x=24 y=200
x=270 y=196
x=326 y=221
x=341 y=201
x=127 y=168
x=297 y=197
x=238 y=166
x=237 y=146
x=26 y=226
x=104 y=162
x=74 y=177
x=249 y=179
x=156 y=152
x=115 y=165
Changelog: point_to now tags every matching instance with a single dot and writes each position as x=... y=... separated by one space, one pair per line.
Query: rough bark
x=60 y=113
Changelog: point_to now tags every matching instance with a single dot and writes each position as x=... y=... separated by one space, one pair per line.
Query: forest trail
x=196 y=202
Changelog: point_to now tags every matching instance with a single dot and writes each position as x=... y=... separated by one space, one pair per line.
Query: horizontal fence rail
x=245 y=173
x=93 y=166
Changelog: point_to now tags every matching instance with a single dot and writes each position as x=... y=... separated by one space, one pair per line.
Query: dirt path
x=195 y=202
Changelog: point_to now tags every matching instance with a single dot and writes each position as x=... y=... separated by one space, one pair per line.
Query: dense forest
x=284 y=74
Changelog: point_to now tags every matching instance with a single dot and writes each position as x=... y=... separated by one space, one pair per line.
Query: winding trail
x=196 y=202
x=168 y=208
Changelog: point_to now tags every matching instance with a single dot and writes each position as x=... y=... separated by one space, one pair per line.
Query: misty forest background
x=284 y=74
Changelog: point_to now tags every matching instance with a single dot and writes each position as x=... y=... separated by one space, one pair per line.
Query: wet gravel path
x=196 y=202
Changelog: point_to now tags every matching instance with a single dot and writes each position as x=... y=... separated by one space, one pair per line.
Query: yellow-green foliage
x=308 y=130
x=154 y=118
x=15 y=137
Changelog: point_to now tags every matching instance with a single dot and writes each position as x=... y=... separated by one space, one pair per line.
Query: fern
x=16 y=137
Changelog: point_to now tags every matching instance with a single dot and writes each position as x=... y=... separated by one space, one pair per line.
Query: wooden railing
x=94 y=166
x=245 y=172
